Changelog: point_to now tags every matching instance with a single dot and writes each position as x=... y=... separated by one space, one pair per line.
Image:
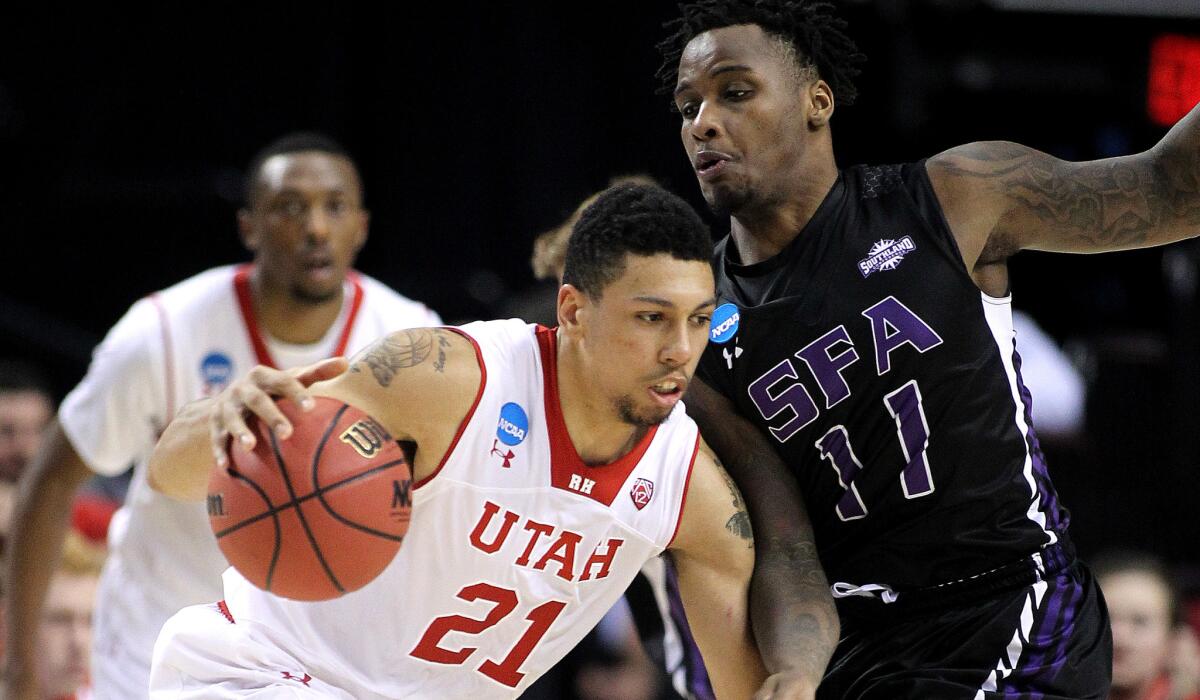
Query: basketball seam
x=275 y=510
x=287 y=482
x=320 y=493
x=274 y=520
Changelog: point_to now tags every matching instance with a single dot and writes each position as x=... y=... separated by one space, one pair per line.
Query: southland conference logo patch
x=886 y=255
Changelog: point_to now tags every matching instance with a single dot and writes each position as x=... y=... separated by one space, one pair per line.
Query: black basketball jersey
x=891 y=387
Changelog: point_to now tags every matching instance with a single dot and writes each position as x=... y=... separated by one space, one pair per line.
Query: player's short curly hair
x=295 y=142
x=809 y=27
x=631 y=218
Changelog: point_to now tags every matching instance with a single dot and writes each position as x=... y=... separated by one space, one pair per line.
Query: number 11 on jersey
x=906 y=408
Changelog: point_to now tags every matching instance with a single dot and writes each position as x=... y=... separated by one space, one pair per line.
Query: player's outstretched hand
x=254 y=393
x=787 y=686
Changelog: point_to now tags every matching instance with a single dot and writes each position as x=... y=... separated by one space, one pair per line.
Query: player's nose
x=707 y=123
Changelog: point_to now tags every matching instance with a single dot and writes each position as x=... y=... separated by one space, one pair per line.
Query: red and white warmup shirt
x=172 y=347
x=515 y=551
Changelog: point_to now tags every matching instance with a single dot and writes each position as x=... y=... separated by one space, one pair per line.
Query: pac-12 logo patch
x=886 y=254
x=216 y=369
x=641 y=493
x=513 y=425
x=725 y=320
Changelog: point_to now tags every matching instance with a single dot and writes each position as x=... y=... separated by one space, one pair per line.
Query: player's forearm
x=1177 y=185
x=180 y=464
x=792 y=612
x=40 y=518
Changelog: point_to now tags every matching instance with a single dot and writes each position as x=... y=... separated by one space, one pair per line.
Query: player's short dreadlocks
x=809 y=26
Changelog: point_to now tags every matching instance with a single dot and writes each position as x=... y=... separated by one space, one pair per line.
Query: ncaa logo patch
x=513 y=424
x=725 y=320
x=641 y=493
x=216 y=369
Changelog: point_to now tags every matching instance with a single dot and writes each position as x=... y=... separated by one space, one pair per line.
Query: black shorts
x=1048 y=640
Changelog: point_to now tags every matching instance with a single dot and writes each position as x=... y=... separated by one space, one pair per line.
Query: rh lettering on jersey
x=541 y=546
x=779 y=393
x=582 y=484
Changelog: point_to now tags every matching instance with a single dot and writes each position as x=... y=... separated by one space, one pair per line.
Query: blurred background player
x=298 y=302
x=1154 y=653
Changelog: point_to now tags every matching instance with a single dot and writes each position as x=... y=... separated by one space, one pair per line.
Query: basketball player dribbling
x=299 y=302
x=865 y=335
x=516 y=548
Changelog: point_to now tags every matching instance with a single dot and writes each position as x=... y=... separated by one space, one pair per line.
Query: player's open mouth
x=668 y=391
x=710 y=164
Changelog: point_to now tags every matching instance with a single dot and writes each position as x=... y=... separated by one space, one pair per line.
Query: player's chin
x=724 y=197
x=318 y=291
x=643 y=416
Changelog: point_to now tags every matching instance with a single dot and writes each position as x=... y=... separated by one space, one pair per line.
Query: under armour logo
x=506 y=455
x=289 y=677
x=731 y=356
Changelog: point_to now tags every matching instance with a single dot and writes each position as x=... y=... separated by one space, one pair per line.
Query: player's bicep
x=415 y=382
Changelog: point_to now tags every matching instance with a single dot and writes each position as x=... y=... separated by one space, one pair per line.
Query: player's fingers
x=229 y=413
x=262 y=405
x=218 y=437
x=277 y=383
x=319 y=372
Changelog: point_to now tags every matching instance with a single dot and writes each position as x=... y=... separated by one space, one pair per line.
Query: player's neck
x=595 y=429
x=288 y=319
x=762 y=230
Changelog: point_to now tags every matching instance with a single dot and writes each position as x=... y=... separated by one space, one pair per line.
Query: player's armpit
x=795 y=622
x=418 y=383
x=1002 y=197
x=714 y=556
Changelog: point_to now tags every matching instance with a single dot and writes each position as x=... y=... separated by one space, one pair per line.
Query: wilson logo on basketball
x=216 y=505
x=366 y=437
x=641 y=493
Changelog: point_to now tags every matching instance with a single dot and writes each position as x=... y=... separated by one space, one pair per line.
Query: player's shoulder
x=385 y=302
x=878 y=182
x=212 y=285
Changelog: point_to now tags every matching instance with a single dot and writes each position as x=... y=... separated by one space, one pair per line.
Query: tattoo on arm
x=1127 y=202
x=739 y=523
x=396 y=352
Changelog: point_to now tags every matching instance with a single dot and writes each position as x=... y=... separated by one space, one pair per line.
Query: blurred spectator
x=1154 y=656
x=65 y=635
x=539 y=304
x=26 y=407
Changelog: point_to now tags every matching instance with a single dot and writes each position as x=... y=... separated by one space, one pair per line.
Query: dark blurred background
x=123 y=136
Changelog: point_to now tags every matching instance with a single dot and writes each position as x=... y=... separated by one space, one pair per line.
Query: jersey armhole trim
x=462 y=427
x=1005 y=300
x=687 y=483
x=164 y=325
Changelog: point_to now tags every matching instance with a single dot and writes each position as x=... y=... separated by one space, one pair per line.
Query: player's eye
x=336 y=207
x=688 y=110
x=650 y=316
x=701 y=320
x=737 y=94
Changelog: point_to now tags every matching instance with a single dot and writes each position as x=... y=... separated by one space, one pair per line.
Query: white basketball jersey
x=515 y=550
x=173 y=347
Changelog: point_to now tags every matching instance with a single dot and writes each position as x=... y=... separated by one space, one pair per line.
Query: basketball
x=317 y=515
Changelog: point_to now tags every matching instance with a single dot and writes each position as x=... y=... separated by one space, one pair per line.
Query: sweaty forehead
x=309 y=172
x=741 y=45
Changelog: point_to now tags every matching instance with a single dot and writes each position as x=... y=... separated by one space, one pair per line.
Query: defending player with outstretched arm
x=608 y=471
x=873 y=350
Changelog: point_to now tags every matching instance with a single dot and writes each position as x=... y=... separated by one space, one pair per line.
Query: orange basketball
x=319 y=514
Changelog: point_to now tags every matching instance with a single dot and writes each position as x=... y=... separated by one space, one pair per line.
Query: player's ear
x=364 y=226
x=246 y=230
x=572 y=308
x=820 y=104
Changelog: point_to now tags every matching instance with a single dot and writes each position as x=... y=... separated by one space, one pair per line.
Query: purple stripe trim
x=697 y=676
x=1060 y=617
x=1056 y=518
x=1039 y=638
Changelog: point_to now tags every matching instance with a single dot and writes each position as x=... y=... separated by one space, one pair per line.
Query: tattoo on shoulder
x=395 y=352
x=443 y=344
x=739 y=523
